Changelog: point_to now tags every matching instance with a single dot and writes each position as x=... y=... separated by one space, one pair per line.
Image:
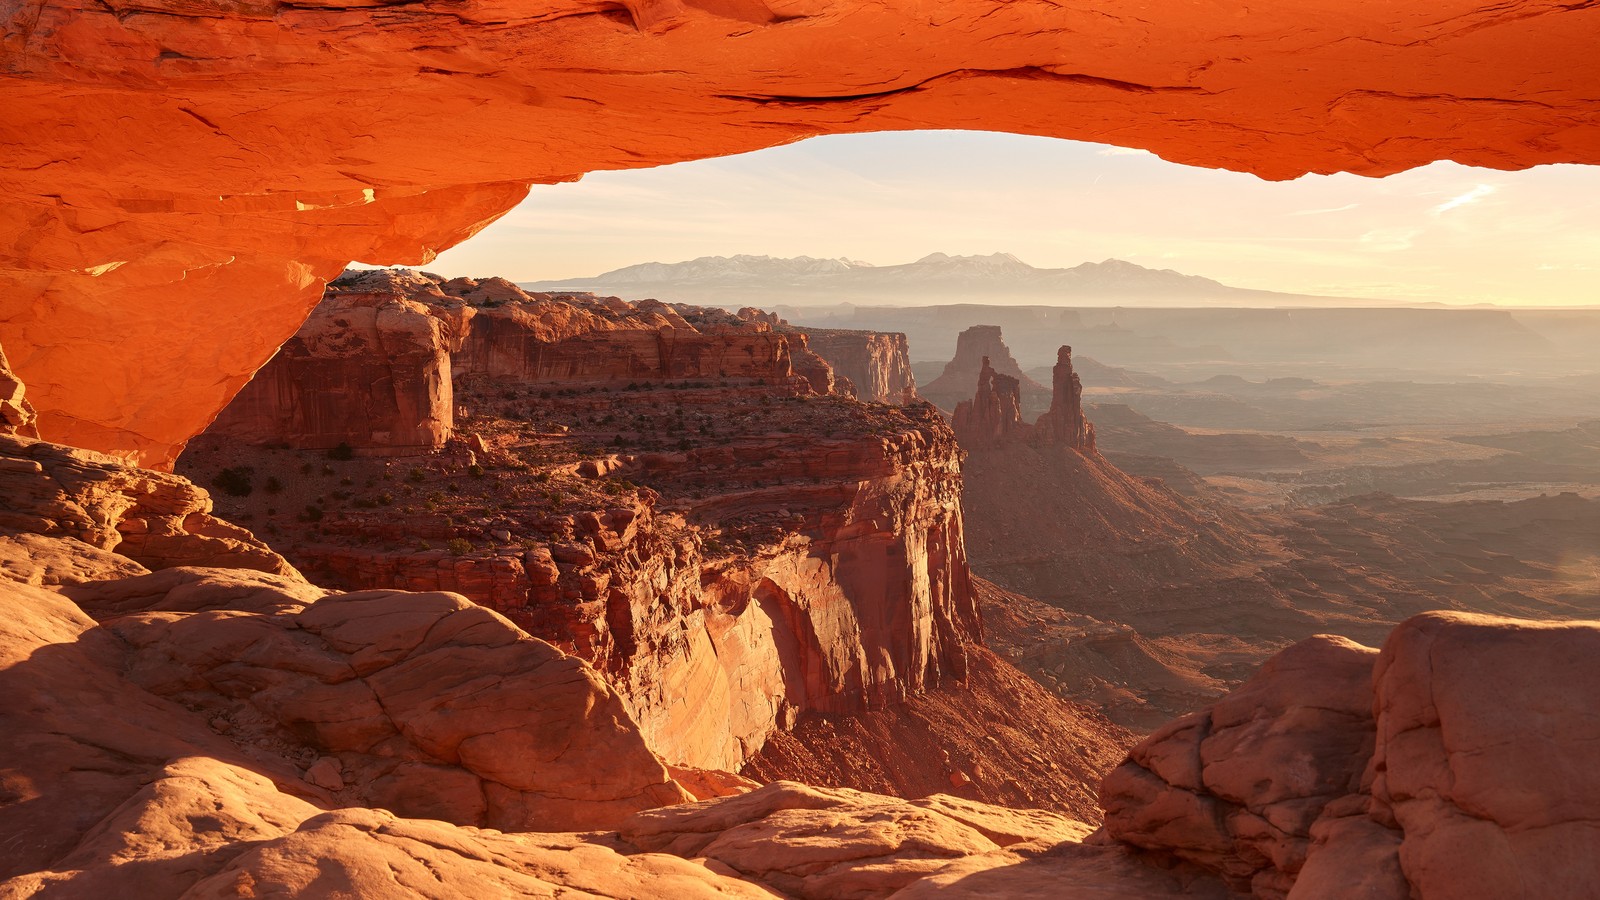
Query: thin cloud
x=1319 y=212
x=1472 y=196
x=1389 y=240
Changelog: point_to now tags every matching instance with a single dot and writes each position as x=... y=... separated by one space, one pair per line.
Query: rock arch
x=180 y=177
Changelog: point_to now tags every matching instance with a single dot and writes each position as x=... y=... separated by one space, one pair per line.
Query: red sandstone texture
x=1338 y=771
x=16 y=413
x=877 y=364
x=807 y=558
x=166 y=162
x=374 y=365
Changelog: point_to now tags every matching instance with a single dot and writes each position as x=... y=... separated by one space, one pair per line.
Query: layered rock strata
x=370 y=368
x=878 y=364
x=809 y=560
x=782 y=575
x=374 y=366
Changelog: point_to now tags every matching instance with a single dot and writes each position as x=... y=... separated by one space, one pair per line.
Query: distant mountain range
x=999 y=277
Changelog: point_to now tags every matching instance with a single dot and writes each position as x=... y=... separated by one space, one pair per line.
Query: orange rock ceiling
x=180 y=176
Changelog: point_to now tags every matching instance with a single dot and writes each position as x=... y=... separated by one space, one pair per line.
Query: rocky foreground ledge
x=229 y=732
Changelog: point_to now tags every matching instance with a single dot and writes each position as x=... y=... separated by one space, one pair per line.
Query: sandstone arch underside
x=180 y=176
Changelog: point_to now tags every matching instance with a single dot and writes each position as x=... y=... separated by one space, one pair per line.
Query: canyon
x=738 y=545
x=691 y=549
x=1146 y=595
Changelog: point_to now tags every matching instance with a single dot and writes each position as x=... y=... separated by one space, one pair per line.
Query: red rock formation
x=1064 y=425
x=167 y=164
x=374 y=366
x=16 y=413
x=994 y=414
x=1421 y=775
x=878 y=364
x=974 y=346
x=152 y=518
x=818 y=373
x=369 y=369
x=804 y=554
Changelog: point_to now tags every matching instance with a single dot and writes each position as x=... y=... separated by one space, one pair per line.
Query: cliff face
x=878 y=364
x=374 y=365
x=536 y=338
x=850 y=592
x=794 y=552
x=369 y=369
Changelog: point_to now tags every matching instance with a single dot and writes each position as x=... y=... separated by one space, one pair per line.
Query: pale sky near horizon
x=1444 y=232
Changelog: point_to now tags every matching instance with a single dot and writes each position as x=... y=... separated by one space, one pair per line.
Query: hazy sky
x=1444 y=232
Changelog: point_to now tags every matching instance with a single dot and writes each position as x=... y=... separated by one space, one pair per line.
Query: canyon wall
x=877 y=363
x=369 y=369
x=847 y=589
x=861 y=600
x=373 y=367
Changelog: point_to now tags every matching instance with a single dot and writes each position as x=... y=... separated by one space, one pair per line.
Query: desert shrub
x=313 y=513
x=272 y=485
x=236 y=482
x=475 y=470
x=417 y=475
x=459 y=546
x=342 y=452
